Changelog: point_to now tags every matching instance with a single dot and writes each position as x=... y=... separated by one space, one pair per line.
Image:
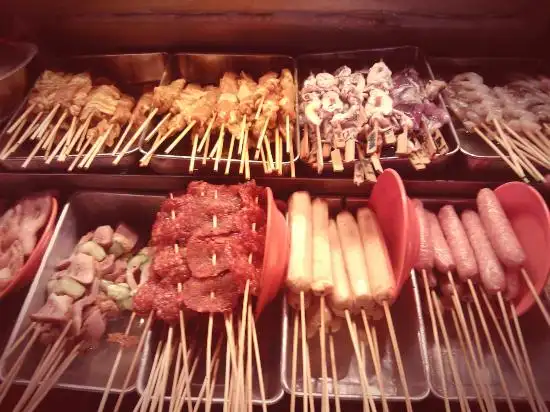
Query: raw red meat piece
x=219 y=294
x=169 y=265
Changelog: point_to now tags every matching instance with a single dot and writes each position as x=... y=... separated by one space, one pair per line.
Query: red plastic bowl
x=390 y=203
x=276 y=253
x=529 y=216
x=28 y=271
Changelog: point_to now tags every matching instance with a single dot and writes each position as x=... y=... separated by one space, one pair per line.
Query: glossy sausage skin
x=443 y=258
x=299 y=277
x=322 y=269
x=500 y=231
x=466 y=265
x=341 y=298
x=490 y=269
x=426 y=251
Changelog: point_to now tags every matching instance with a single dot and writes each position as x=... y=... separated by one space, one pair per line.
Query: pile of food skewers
x=88 y=289
x=258 y=116
x=471 y=265
x=514 y=119
x=363 y=112
x=73 y=115
x=339 y=271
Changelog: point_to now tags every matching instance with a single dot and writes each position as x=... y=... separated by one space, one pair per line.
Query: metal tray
x=495 y=71
x=13 y=75
x=208 y=69
x=397 y=58
x=84 y=211
x=268 y=328
x=409 y=329
x=536 y=334
x=132 y=73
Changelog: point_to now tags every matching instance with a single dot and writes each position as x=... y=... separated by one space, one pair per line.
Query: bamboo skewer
x=260 y=107
x=163 y=380
x=79 y=138
x=135 y=136
x=53 y=134
x=33 y=152
x=7 y=147
x=30 y=130
x=46 y=122
x=144 y=399
x=180 y=137
x=62 y=142
x=21 y=118
x=303 y=334
x=157 y=127
x=174 y=390
x=252 y=326
x=230 y=154
x=435 y=331
x=96 y=149
x=123 y=137
x=334 y=372
x=535 y=295
x=506 y=143
x=80 y=153
x=207 y=133
x=261 y=139
x=157 y=143
x=208 y=372
x=183 y=338
x=323 y=345
x=294 y=363
x=193 y=153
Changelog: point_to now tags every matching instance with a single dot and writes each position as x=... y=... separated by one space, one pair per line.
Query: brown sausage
x=500 y=231
x=490 y=270
x=443 y=258
x=299 y=277
x=459 y=244
x=426 y=251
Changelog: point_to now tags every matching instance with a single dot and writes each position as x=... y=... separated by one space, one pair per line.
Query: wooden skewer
x=144 y=399
x=114 y=369
x=30 y=130
x=157 y=127
x=294 y=363
x=71 y=135
x=207 y=133
x=247 y=161
x=206 y=385
x=180 y=137
x=212 y=385
x=183 y=338
x=230 y=154
x=375 y=360
x=242 y=329
x=261 y=139
x=227 y=382
x=158 y=142
x=323 y=345
x=290 y=150
x=506 y=143
x=535 y=145
x=80 y=153
x=63 y=141
x=438 y=354
x=123 y=137
x=287 y=133
x=9 y=350
x=277 y=148
x=99 y=147
x=135 y=136
x=542 y=139
x=256 y=346
x=320 y=161
x=491 y=345
x=79 y=138
x=21 y=119
x=539 y=141
x=45 y=123
x=163 y=380
x=397 y=354
x=307 y=364
x=241 y=135
x=249 y=387
x=218 y=147
x=464 y=407
x=519 y=333
x=185 y=384
x=175 y=377
x=260 y=107
x=53 y=134
x=134 y=362
x=334 y=372
x=193 y=153
x=479 y=386
x=518 y=172
x=269 y=154
x=7 y=147
x=303 y=335
x=541 y=306
x=33 y=152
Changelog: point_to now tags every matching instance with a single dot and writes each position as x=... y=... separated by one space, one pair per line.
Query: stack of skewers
x=514 y=119
x=368 y=114
x=474 y=265
x=73 y=116
x=339 y=272
x=238 y=121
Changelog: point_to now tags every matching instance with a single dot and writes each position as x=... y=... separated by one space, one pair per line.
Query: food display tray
x=409 y=329
x=207 y=69
x=132 y=73
x=535 y=332
x=84 y=212
x=397 y=58
x=495 y=72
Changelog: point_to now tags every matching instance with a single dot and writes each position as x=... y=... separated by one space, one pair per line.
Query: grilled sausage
x=341 y=298
x=457 y=239
x=354 y=258
x=322 y=269
x=443 y=258
x=426 y=251
x=379 y=268
x=299 y=277
x=500 y=231
x=490 y=270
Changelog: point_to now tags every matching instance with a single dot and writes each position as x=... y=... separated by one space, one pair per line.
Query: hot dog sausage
x=299 y=277
x=459 y=244
x=322 y=269
x=379 y=268
x=341 y=298
x=500 y=231
x=426 y=251
x=490 y=270
x=354 y=258
x=443 y=258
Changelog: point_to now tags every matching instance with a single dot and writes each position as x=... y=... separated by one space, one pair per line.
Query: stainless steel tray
x=84 y=211
x=269 y=337
x=535 y=331
x=409 y=328
x=208 y=69
x=495 y=71
x=132 y=73
x=397 y=58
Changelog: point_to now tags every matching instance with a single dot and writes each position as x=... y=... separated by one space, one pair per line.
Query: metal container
x=207 y=69
x=535 y=332
x=495 y=72
x=397 y=58
x=409 y=329
x=84 y=212
x=132 y=73
x=14 y=60
x=268 y=328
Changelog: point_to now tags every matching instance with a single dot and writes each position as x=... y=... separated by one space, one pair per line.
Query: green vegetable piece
x=70 y=287
x=116 y=249
x=93 y=249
